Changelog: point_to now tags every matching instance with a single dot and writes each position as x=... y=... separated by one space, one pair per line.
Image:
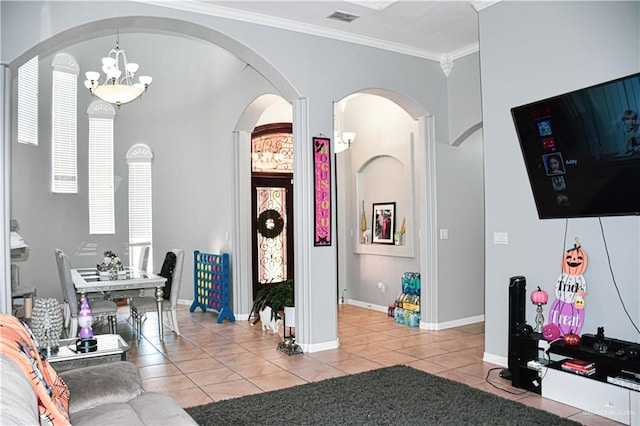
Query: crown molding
x=203 y=8
x=478 y=5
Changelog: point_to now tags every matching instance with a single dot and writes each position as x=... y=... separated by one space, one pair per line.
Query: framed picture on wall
x=383 y=225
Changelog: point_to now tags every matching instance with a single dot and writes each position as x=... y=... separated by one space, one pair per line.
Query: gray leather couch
x=107 y=394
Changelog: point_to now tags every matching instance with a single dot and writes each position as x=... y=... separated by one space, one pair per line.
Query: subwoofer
x=517 y=295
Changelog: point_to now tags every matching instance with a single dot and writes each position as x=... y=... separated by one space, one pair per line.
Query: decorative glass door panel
x=272 y=234
x=273 y=244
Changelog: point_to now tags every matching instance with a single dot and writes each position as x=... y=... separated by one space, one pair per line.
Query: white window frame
x=28 y=102
x=64 y=124
x=139 y=158
x=101 y=180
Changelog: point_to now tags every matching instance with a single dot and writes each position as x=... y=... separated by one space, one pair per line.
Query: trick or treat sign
x=567 y=311
x=322 y=191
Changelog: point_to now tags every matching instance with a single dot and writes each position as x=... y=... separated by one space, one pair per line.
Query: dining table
x=88 y=280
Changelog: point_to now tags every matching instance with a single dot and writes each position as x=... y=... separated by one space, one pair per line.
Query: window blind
x=28 y=102
x=140 y=220
x=64 y=131
x=101 y=187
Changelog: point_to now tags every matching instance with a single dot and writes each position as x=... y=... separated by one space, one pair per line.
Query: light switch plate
x=500 y=238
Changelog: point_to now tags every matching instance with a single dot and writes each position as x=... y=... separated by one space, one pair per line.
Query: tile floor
x=211 y=362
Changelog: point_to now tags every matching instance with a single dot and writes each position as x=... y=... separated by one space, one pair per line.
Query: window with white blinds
x=101 y=203
x=64 y=133
x=139 y=158
x=28 y=102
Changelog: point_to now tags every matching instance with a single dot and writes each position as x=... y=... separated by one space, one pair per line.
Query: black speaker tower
x=517 y=295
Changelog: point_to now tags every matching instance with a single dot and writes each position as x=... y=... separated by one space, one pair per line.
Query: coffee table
x=111 y=348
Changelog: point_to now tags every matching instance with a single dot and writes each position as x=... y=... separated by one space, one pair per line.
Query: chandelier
x=118 y=87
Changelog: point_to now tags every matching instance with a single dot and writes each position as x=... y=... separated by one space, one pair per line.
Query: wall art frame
x=322 y=191
x=383 y=225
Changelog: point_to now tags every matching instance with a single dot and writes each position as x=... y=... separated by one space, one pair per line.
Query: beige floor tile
x=274 y=381
x=214 y=375
x=190 y=397
x=356 y=365
x=391 y=358
x=317 y=372
x=254 y=369
x=228 y=390
x=201 y=364
x=161 y=370
x=173 y=383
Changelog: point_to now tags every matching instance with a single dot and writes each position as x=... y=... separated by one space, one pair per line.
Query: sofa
x=106 y=394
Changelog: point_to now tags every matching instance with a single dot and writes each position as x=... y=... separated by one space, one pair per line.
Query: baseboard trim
x=366 y=305
x=319 y=347
x=495 y=359
x=451 y=324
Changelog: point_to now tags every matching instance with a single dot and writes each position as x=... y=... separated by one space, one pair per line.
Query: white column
x=426 y=169
x=303 y=225
x=5 y=190
x=241 y=263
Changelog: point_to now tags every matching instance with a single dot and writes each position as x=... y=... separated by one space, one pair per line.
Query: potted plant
x=275 y=295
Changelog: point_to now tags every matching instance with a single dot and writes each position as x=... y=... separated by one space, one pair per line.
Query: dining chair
x=99 y=308
x=141 y=305
x=143 y=262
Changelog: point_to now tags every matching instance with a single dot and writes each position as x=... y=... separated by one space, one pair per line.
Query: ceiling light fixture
x=117 y=88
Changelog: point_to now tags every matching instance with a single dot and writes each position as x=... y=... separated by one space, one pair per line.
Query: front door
x=272 y=203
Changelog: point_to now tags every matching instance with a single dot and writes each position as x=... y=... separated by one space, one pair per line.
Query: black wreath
x=270 y=223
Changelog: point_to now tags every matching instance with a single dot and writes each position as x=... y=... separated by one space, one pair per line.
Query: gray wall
x=189 y=131
x=530 y=51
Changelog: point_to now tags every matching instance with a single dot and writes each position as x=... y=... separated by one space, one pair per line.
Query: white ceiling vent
x=343 y=16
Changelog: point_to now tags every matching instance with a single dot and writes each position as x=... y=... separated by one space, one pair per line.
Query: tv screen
x=582 y=150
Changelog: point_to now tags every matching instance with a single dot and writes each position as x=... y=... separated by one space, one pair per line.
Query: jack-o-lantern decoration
x=539 y=297
x=574 y=261
x=571 y=339
x=551 y=332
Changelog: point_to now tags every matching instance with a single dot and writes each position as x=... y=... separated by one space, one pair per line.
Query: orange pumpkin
x=571 y=339
x=574 y=261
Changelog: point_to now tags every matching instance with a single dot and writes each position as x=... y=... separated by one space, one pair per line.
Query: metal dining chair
x=143 y=262
x=141 y=305
x=99 y=308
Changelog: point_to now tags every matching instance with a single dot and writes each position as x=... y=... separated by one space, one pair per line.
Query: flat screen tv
x=582 y=150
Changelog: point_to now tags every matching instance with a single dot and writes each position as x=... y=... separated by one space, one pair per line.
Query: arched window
x=101 y=188
x=139 y=158
x=64 y=170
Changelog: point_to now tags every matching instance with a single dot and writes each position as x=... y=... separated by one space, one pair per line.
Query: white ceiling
x=442 y=29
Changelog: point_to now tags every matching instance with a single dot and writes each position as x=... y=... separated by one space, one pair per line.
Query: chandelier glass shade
x=118 y=86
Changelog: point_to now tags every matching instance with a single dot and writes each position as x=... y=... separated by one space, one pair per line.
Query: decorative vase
x=46 y=325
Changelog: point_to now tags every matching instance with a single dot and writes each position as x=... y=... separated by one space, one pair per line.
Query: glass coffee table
x=111 y=348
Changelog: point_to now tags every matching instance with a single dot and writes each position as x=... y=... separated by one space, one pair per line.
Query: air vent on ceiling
x=343 y=16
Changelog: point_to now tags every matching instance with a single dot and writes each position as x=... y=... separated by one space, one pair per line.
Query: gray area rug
x=397 y=395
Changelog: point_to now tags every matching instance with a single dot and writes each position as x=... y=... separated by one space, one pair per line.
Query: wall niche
x=385 y=178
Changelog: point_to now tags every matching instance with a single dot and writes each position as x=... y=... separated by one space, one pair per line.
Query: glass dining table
x=87 y=280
